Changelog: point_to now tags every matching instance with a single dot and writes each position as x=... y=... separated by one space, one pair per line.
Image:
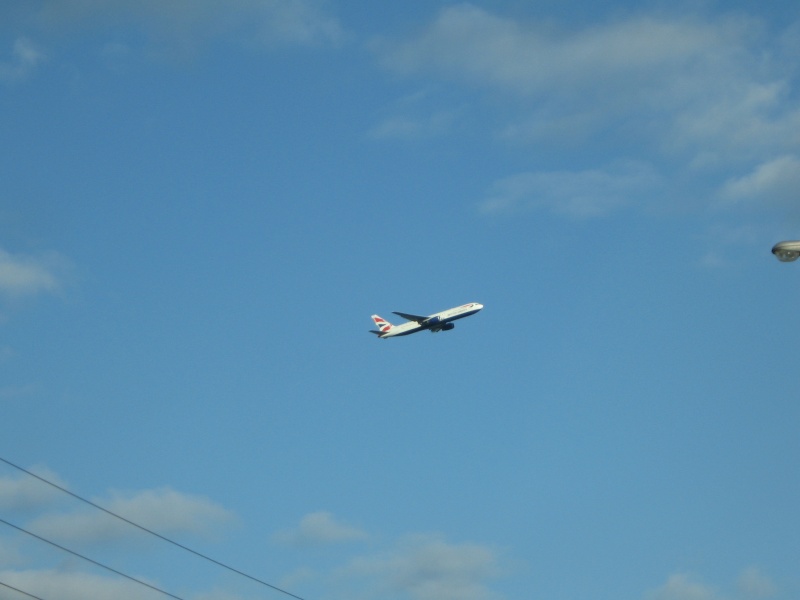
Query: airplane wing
x=409 y=317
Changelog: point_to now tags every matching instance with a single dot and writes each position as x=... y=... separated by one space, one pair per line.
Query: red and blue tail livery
x=382 y=324
x=441 y=321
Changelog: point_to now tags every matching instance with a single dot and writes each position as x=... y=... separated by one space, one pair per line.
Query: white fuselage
x=435 y=322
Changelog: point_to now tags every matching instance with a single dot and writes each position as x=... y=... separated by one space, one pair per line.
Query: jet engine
x=787 y=251
x=448 y=326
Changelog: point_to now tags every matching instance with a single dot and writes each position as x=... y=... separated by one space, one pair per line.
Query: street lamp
x=787 y=251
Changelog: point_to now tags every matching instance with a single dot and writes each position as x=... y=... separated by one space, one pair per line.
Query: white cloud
x=683 y=587
x=320 y=528
x=26 y=56
x=775 y=182
x=426 y=567
x=164 y=511
x=581 y=194
x=47 y=583
x=181 y=26
x=472 y=44
x=28 y=493
x=743 y=120
x=408 y=127
x=22 y=275
x=752 y=584
x=716 y=89
x=755 y=584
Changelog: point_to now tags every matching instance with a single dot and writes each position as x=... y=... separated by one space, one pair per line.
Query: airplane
x=441 y=321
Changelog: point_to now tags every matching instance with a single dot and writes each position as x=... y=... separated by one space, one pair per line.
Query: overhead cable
x=87 y=559
x=150 y=531
x=11 y=587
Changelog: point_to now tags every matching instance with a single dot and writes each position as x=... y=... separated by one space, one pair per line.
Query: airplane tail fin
x=383 y=325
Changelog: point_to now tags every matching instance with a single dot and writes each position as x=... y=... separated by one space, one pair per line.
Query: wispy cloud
x=183 y=26
x=699 y=73
x=754 y=583
x=320 y=528
x=775 y=182
x=27 y=275
x=709 y=95
x=25 y=57
x=66 y=585
x=427 y=567
x=164 y=511
x=582 y=194
x=477 y=46
x=415 y=567
x=683 y=587
x=27 y=493
x=413 y=127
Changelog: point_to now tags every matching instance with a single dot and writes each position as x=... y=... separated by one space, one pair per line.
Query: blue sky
x=202 y=203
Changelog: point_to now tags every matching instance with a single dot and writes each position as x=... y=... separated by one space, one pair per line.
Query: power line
x=151 y=532
x=87 y=559
x=11 y=587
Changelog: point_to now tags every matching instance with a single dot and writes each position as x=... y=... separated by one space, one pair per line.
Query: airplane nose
x=479 y=306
